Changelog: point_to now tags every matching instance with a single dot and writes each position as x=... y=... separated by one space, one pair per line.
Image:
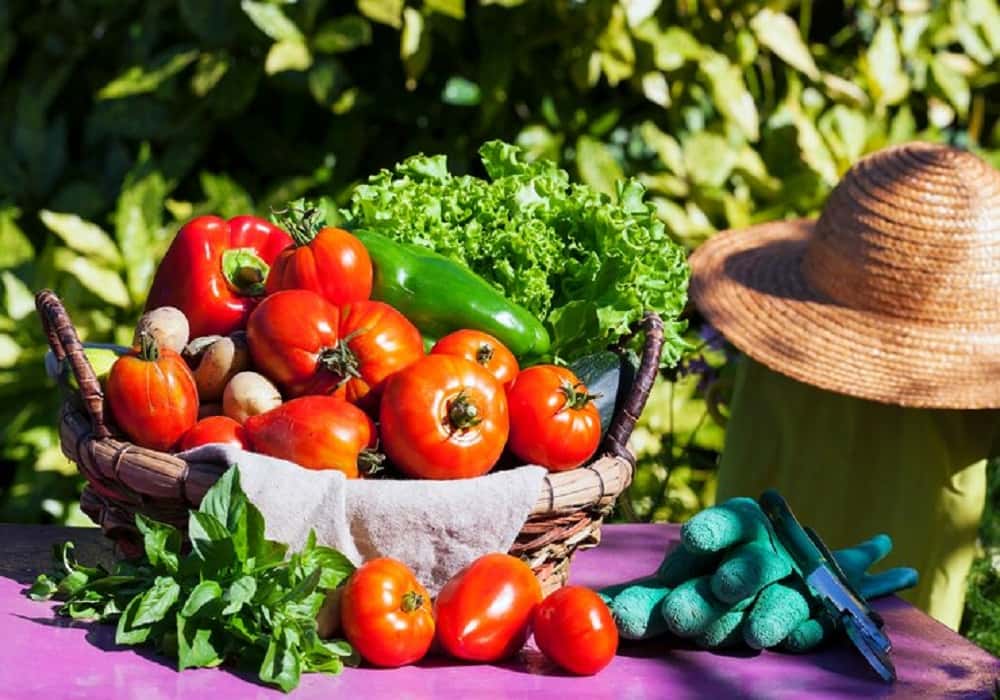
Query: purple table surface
x=46 y=656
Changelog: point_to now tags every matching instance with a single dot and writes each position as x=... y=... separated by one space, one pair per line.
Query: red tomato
x=444 y=417
x=152 y=395
x=553 y=420
x=386 y=614
x=574 y=628
x=376 y=341
x=221 y=429
x=484 y=612
x=316 y=432
x=293 y=335
x=483 y=349
x=326 y=260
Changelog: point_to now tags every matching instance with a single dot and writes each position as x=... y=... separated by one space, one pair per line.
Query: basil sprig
x=235 y=597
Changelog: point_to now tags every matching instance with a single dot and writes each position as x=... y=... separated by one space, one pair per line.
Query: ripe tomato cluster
x=298 y=362
x=484 y=614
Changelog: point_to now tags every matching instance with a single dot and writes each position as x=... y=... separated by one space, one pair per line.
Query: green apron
x=852 y=468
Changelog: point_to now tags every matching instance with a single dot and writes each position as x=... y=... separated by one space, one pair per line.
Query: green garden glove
x=729 y=581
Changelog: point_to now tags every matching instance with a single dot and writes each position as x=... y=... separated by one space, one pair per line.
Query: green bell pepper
x=440 y=295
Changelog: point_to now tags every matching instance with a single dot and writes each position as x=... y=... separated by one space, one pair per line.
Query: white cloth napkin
x=436 y=527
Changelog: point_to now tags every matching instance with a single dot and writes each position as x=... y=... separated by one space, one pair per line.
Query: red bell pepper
x=215 y=270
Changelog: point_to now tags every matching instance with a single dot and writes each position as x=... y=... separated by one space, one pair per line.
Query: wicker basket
x=125 y=479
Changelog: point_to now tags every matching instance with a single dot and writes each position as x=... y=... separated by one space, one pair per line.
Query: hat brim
x=749 y=284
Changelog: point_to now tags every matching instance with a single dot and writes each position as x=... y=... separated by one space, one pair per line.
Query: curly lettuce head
x=584 y=264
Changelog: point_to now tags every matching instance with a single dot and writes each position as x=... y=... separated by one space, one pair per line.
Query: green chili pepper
x=440 y=296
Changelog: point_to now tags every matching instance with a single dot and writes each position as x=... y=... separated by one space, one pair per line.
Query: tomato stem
x=149 y=349
x=411 y=601
x=484 y=354
x=463 y=413
x=370 y=461
x=301 y=220
x=340 y=359
x=576 y=395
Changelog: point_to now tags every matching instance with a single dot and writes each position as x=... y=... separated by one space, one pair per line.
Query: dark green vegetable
x=440 y=296
x=609 y=376
x=234 y=596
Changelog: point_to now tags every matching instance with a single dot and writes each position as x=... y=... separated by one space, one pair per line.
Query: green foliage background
x=119 y=120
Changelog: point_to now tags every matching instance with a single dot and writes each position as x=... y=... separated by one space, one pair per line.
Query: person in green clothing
x=872 y=368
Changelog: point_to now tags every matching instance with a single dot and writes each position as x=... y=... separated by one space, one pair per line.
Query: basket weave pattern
x=124 y=479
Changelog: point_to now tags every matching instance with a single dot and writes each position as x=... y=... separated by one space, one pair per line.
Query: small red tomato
x=443 y=417
x=376 y=342
x=215 y=429
x=152 y=395
x=553 y=420
x=484 y=612
x=483 y=349
x=326 y=260
x=293 y=335
x=315 y=432
x=386 y=614
x=574 y=628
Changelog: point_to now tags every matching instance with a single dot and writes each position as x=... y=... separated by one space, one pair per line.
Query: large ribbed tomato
x=481 y=348
x=152 y=395
x=386 y=614
x=443 y=417
x=484 y=612
x=376 y=341
x=574 y=628
x=553 y=420
x=293 y=337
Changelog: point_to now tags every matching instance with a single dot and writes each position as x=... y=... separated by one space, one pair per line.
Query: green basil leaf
x=43 y=588
x=157 y=601
x=240 y=593
x=195 y=648
x=200 y=600
x=127 y=633
x=162 y=543
x=211 y=542
x=281 y=665
x=333 y=565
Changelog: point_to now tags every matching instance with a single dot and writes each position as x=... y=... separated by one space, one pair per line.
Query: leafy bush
x=123 y=119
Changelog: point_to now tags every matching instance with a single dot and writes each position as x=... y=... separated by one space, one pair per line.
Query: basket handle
x=65 y=344
x=649 y=366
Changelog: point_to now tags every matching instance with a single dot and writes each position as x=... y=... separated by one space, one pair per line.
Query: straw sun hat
x=892 y=295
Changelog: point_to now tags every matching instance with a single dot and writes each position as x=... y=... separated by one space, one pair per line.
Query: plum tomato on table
x=214 y=429
x=484 y=612
x=317 y=432
x=386 y=614
x=553 y=420
x=443 y=417
x=481 y=348
x=574 y=629
x=152 y=395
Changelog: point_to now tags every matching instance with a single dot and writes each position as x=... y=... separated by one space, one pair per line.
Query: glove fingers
x=747 y=570
x=682 y=564
x=778 y=611
x=808 y=635
x=727 y=631
x=690 y=608
x=887 y=582
x=636 y=608
x=856 y=560
x=716 y=528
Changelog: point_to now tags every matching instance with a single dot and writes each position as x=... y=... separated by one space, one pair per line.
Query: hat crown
x=912 y=231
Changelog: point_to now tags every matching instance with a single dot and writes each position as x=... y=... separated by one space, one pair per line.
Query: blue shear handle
x=799 y=545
